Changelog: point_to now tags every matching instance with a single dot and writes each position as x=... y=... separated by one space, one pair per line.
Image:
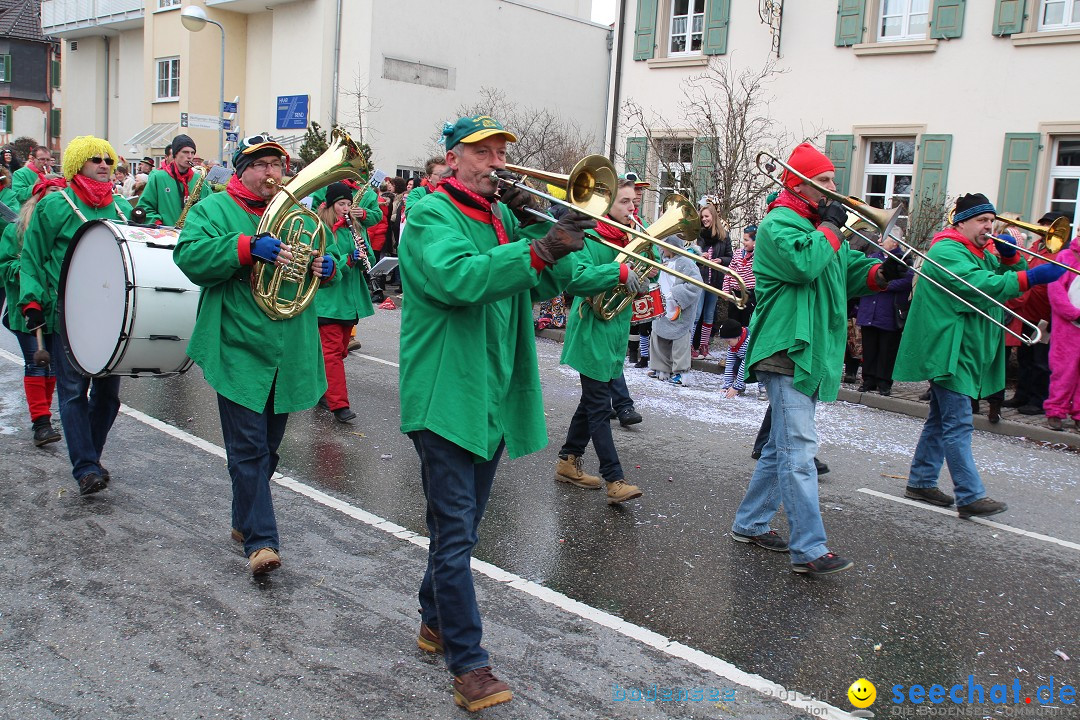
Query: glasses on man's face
x=98 y=160
x=265 y=166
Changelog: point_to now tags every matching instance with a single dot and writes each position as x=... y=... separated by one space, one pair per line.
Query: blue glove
x=1006 y=245
x=354 y=257
x=265 y=247
x=1043 y=274
x=327 y=267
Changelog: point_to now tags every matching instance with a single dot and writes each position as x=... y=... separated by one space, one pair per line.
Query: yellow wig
x=82 y=149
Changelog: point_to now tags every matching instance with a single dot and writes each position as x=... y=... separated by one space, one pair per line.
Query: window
x=5 y=118
x=903 y=20
x=5 y=68
x=168 y=79
x=890 y=167
x=687 y=26
x=1059 y=14
x=1065 y=177
x=165 y=4
x=676 y=167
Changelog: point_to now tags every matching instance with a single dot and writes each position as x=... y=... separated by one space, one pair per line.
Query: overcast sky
x=603 y=11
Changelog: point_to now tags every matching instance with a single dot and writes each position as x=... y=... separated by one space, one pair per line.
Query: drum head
x=94 y=296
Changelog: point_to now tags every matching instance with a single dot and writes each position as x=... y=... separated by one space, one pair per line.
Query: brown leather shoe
x=568 y=470
x=429 y=640
x=479 y=689
x=619 y=491
x=237 y=536
x=264 y=560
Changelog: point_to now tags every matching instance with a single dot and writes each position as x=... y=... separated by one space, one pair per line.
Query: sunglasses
x=98 y=160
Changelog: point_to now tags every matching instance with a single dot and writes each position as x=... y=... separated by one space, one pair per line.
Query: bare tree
x=360 y=105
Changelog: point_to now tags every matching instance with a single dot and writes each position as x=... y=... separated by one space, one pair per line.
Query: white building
x=913 y=96
x=131 y=69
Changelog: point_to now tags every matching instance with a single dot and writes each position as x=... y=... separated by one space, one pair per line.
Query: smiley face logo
x=862 y=693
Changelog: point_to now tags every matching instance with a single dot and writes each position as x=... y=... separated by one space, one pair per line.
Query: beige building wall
x=128 y=111
x=82 y=78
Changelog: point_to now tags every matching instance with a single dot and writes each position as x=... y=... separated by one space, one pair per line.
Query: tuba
x=284 y=292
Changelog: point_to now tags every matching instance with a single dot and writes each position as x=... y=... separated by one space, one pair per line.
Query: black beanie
x=728 y=329
x=180 y=142
x=337 y=191
x=970 y=205
x=1051 y=216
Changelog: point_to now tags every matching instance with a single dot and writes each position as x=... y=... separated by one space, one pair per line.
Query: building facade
x=29 y=76
x=916 y=101
x=390 y=72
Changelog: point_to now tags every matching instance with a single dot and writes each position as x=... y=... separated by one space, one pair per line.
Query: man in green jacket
x=469 y=380
x=168 y=189
x=806 y=273
x=434 y=170
x=261 y=369
x=88 y=406
x=959 y=351
x=25 y=178
x=595 y=348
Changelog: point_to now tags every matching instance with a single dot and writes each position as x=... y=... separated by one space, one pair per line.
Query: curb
x=908 y=407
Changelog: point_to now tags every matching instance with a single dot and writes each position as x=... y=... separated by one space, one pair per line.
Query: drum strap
x=119 y=212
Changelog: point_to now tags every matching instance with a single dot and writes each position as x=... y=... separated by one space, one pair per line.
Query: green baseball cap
x=474 y=129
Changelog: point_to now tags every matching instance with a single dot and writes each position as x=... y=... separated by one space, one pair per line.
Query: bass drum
x=125 y=307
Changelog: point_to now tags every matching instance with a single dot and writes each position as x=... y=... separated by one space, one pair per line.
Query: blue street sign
x=229 y=107
x=292 y=112
x=232 y=137
x=226 y=124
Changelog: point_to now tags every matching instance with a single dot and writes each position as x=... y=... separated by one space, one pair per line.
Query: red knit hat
x=808 y=160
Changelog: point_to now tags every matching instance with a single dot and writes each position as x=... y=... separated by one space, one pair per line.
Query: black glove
x=833 y=214
x=564 y=237
x=34 y=318
x=893 y=268
x=518 y=200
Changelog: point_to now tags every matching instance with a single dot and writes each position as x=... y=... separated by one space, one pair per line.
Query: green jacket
x=594 y=347
x=8 y=197
x=803 y=288
x=468 y=351
x=948 y=342
x=163 y=199
x=369 y=201
x=9 y=276
x=23 y=181
x=46 y=241
x=349 y=299
x=415 y=195
x=242 y=352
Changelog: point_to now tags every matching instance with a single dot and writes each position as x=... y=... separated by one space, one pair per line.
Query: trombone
x=590 y=190
x=885 y=222
x=1054 y=237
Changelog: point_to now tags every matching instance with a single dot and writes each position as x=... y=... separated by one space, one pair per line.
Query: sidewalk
x=905 y=400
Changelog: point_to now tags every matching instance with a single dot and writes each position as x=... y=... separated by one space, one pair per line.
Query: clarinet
x=361 y=245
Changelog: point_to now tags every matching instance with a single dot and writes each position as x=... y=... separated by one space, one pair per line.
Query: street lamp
x=194 y=19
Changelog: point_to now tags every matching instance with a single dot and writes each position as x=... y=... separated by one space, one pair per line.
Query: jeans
x=620 y=395
x=28 y=345
x=457 y=489
x=946 y=436
x=786 y=473
x=591 y=422
x=86 y=419
x=251 y=445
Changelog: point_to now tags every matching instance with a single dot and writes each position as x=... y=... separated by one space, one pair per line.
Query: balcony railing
x=63 y=17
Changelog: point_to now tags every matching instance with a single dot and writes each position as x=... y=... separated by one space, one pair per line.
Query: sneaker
x=429 y=640
x=479 y=689
x=91 y=483
x=761 y=394
x=825 y=565
x=695 y=354
x=642 y=363
x=929 y=495
x=354 y=344
x=344 y=415
x=770 y=540
x=44 y=432
x=619 y=491
x=822 y=468
x=652 y=374
x=264 y=560
x=981 y=508
x=568 y=470
x=1054 y=423
x=237 y=536
x=629 y=417
x=676 y=379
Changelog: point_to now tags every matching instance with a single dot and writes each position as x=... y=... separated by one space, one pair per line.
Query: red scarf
x=182 y=178
x=43 y=185
x=790 y=200
x=339 y=224
x=32 y=166
x=612 y=233
x=954 y=234
x=246 y=199
x=475 y=206
x=742 y=339
x=95 y=193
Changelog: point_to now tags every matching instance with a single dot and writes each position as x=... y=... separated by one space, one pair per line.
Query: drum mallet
x=41 y=355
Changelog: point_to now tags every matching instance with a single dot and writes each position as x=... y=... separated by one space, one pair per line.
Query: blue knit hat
x=970 y=205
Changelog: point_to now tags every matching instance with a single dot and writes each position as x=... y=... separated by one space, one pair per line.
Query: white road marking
x=951 y=512
x=378 y=360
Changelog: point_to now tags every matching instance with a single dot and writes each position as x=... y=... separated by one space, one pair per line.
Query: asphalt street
x=134 y=602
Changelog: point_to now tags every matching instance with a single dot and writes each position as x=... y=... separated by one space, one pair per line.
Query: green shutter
x=717 y=19
x=932 y=170
x=645 y=34
x=7 y=68
x=704 y=171
x=849 y=22
x=947 y=19
x=1016 y=189
x=55 y=72
x=54 y=123
x=1009 y=16
x=636 y=150
x=8 y=111
x=839 y=149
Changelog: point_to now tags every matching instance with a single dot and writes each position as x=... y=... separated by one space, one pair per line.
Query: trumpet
x=885 y=221
x=590 y=190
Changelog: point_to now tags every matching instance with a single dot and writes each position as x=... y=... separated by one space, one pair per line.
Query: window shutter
x=54 y=123
x=947 y=19
x=932 y=171
x=645 y=33
x=1016 y=189
x=636 y=149
x=1009 y=16
x=7 y=68
x=839 y=149
x=54 y=66
x=717 y=19
x=849 y=22
x=704 y=171
x=8 y=111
